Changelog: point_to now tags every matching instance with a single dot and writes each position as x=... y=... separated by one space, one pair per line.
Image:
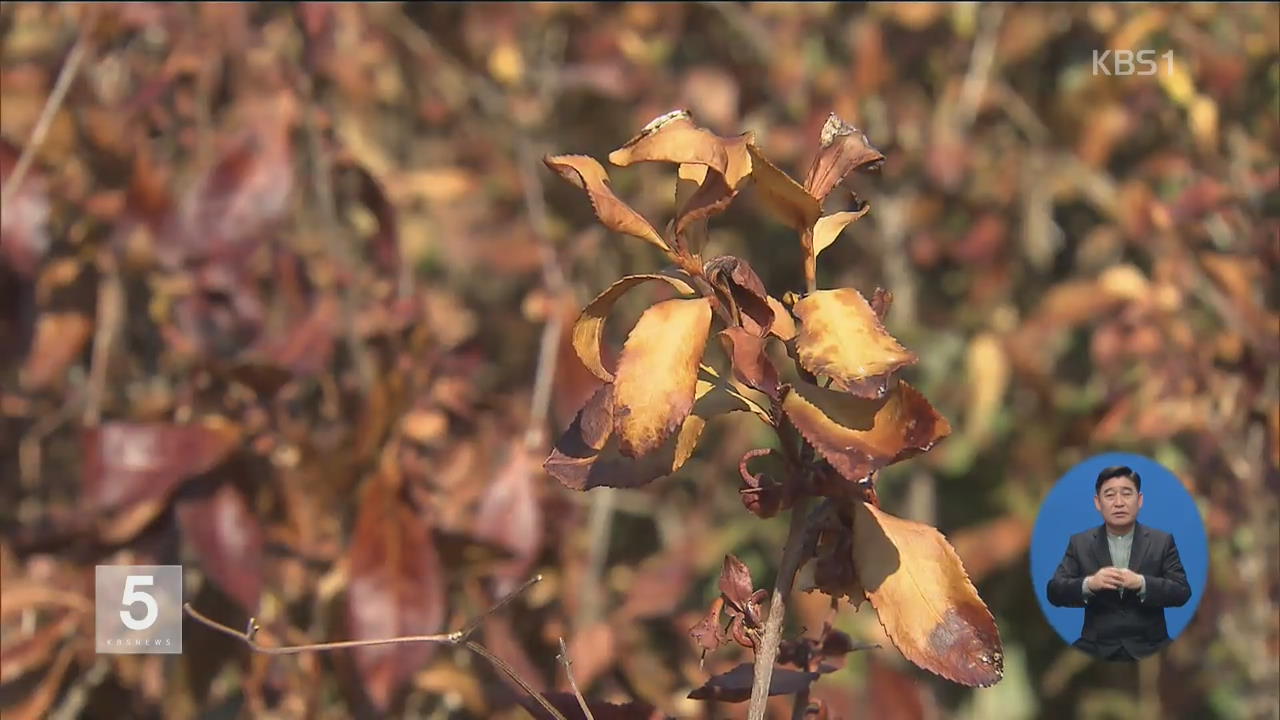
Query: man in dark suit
x=1124 y=574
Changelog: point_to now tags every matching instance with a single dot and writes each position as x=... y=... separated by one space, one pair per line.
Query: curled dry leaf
x=672 y=137
x=657 y=373
x=833 y=571
x=859 y=436
x=924 y=599
x=712 y=197
x=585 y=457
x=881 y=301
x=735 y=581
x=59 y=339
x=761 y=494
x=588 y=331
x=782 y=195
x=735 y=685
x=586 y=454
x=751 y=364
x=828 y=227
x=586 y=173
x=841 y=337
x=739 y=287
x=784 y=324
x=228 y=541
x=844 y=148
x=396 y=587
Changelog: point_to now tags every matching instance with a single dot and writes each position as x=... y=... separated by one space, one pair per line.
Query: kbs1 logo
x=1131 y=62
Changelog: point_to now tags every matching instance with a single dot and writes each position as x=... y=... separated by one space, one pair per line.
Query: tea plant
x=820 y=369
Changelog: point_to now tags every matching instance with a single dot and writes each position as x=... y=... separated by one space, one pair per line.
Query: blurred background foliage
x=307 y=258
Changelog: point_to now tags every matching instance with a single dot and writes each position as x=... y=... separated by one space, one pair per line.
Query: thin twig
x=51 y=106
x=980 y=62
x=460 y=638
x=568 y=671
x=339 y=252
x=792 y=555
x=110 y=318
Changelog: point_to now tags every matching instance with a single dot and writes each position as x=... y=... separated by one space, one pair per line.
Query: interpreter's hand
x=1129 y=579
x=1108 y=578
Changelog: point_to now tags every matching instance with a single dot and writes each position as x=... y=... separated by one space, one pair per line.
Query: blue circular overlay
x=1068 y=509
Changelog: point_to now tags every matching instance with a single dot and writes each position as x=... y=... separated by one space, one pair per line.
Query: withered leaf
x=761 y=494
x=586 y=455
x=735 y=581
x=707 y=633
x=751 y=364
x=741 y=288
x=396 y=585
x=712 y=197
x=859 y=436
x=59 y=339
x=511 y=516
x=782 y=195
x=735 y=685
x=227 y=538
x=586 y=173
x=657 y=373
x=843 y=149
x=924 y=599
x=126 y=463
x=881 y=301
x=589 y=328
x=841 y=337
x=673 y=138
x=833 y=571
x=784 y=324
x=828 y=227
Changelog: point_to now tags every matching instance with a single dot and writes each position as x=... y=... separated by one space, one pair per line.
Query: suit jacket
x=1112 y=621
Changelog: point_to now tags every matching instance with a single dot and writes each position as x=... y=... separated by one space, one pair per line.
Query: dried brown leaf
x=841 y=337
x=510 y=516
x=783 y=195
x=125 y=463
x=751 y=364
x=859 y=436
x=589 y=328
x=738 y=286
x=828 y=227
x=586 y=455
x=227 y=540
x=396 y=587
x=586 y=173
x=657 y=373
x=843 y=149
x=784 y=323
x=735 y=685
x=735 y=581
x=924 y=599
x=59 y=339
x=673 y=138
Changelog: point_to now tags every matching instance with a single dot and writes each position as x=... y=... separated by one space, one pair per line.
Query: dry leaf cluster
x=288 y=296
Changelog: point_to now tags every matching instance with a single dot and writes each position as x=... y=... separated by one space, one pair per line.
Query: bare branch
x=568 y=671
x=59 y=93
x=458 y=638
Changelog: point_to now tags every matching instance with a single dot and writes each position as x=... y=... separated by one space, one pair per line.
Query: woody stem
x=767 y=653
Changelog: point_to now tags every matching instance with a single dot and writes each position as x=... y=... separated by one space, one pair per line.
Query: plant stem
x=792 y=555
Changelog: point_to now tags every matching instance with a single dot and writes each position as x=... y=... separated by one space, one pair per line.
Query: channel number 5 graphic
x=133 y=596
